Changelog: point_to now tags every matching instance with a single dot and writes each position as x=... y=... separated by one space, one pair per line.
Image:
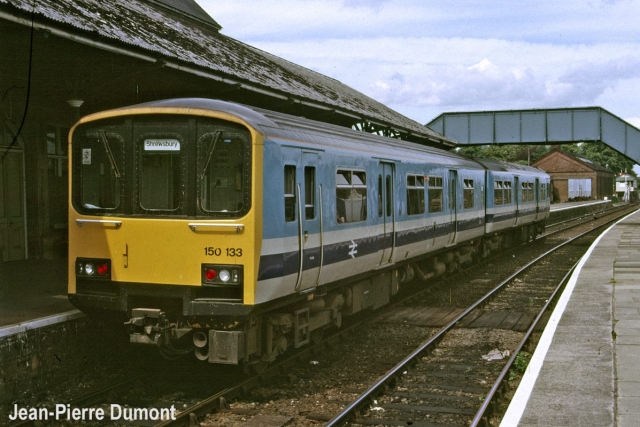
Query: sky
x=426 y=57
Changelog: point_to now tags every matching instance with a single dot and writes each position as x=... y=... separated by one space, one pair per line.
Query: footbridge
x=541 y=126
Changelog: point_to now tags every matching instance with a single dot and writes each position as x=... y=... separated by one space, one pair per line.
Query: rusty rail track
x=416 y=405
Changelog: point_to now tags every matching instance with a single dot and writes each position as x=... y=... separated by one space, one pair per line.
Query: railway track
x=239 y=398
x=444 y=383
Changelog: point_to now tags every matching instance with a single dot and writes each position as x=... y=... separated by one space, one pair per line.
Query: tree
x=597 y=152
x=605 y=156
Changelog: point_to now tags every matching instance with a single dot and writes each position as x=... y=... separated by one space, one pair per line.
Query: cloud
x=424 y=58
x=487 y=85
x=634 y=121
x=373 y=4
x=569 y=21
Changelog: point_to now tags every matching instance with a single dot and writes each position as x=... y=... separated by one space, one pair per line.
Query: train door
x=537 y=197
x=453 y=206
x=12 y=233
x=309 y=207
x=386 y=213
x=517 y=195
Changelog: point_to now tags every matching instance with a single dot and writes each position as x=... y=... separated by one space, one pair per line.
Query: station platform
x=573 y=205
x=585 y=370
x=560 y=212
x=33 y=294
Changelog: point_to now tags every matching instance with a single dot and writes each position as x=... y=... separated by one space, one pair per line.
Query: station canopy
x=179 y=35
x=541 y=127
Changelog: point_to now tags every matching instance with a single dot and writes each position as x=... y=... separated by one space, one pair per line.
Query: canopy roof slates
x=145 y=27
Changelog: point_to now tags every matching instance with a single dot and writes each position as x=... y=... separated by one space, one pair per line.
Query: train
x=235 y=234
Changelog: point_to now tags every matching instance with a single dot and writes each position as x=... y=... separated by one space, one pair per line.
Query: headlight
x=94 y=268
x=225 y=275
x=228 y=275
x=88 y=269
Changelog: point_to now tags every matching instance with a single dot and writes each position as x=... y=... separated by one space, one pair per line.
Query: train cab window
x=222 y=171
x=543 y=191
x=468 y=193
x=169 y=165
x=102 y=163
x=309 y=192
x=497 y=193
x=351 y=196
x=435 y=194
x=289 y=193
x=160 y=172
x=507 y=192
x=415 y=194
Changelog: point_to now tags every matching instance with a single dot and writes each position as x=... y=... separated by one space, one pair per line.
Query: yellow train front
x=165 y=222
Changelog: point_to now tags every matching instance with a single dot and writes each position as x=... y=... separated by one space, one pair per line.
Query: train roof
x=500 y=166
x=293 y=130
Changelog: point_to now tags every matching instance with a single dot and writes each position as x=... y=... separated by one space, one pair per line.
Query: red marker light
x=103 y=269
x=210 y=274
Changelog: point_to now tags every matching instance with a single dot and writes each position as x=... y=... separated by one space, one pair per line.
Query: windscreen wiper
x=107 y=148
x=215 y=138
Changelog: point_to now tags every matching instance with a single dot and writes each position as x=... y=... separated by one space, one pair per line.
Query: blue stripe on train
x=284 y=264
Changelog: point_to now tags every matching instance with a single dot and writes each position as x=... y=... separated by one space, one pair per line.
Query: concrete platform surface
x=32 y=290
x=586 y=368
x=571 y=205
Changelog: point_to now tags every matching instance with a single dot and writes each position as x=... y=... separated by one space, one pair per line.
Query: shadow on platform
x=32 y=289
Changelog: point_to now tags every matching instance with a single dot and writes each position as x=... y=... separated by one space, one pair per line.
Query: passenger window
x=309 y=192
x=507 y=192
x=497 y=193
x=435 y=194
x=351 y=196
x=160 y=177
x=531 y=192
x=289 y=193
x=468 y=194
x=415 y=194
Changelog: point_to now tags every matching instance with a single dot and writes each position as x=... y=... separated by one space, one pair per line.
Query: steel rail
x=379 y=386
x=494 y=391
x=491 y=395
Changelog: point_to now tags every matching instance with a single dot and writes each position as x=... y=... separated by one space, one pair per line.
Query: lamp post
x=75 y=103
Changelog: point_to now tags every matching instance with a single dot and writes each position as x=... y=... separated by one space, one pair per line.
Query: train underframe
x=258 y=337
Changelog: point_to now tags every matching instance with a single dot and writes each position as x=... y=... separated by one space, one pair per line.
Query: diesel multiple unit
x=235 y=233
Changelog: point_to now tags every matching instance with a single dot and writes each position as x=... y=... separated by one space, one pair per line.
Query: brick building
x=576 y=178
